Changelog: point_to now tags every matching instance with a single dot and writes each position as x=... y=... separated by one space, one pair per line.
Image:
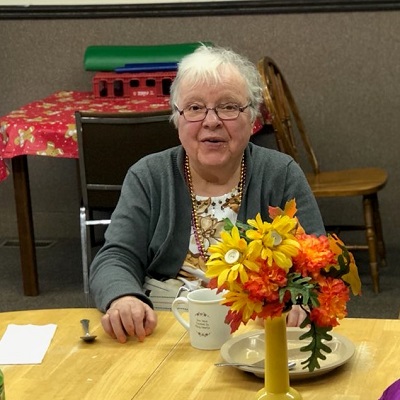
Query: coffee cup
x=206 y=325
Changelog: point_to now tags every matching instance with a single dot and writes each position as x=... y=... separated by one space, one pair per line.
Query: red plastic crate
x=133 y=85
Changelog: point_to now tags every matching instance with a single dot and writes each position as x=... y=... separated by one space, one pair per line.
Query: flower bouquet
x=267 y=267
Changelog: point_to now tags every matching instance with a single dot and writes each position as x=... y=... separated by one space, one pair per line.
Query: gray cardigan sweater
x=150 y=227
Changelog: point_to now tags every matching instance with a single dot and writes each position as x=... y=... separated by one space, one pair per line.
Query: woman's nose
x=212 y=118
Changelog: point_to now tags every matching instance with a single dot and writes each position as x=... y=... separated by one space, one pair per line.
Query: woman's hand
x=295 y=316
x=129 y=316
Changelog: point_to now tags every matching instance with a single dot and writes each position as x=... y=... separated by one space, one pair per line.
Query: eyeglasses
x=198 y=112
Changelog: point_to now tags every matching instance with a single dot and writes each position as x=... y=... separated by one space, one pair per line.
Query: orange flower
x=333 y=296
x=266 y=267
x=264 y=286
x=272 y=310
x=314 y=254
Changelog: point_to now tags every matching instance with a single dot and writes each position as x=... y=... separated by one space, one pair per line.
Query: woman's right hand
x=129 y=316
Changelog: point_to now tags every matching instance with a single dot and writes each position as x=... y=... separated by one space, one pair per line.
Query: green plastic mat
x=107 y=58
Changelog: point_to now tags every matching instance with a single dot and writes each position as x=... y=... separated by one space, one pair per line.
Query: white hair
x=208 y=64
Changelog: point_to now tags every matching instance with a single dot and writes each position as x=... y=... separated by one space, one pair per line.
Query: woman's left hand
x=295 y=316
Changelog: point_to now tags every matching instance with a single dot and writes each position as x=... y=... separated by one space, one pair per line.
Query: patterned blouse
x=211 y=213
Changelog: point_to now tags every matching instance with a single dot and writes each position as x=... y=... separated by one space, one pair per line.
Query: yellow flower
x=229 y=260
x=240 y=303
x=275 y=241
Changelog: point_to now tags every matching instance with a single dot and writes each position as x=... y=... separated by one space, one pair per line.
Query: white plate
x=250 y=348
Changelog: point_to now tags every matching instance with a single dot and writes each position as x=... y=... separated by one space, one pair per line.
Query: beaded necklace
x=194 y=217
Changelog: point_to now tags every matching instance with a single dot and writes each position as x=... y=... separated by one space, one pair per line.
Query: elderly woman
x=173 y=203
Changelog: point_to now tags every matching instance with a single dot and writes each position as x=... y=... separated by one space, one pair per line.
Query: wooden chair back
x=291 y=138
x=288 y=124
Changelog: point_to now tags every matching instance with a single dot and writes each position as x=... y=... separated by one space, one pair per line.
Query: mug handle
x=177 y=313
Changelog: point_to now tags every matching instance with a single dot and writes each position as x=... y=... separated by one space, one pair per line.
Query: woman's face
x=214 y=142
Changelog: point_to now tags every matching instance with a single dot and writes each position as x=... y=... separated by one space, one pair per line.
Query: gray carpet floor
x=60 y=280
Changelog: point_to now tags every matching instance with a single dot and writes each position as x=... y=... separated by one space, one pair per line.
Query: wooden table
x=76 y=370
x=166 y=366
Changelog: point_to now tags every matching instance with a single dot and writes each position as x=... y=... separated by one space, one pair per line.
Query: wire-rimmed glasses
x=198 y=112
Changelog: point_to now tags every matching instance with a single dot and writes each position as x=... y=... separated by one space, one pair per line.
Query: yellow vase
x=276 y=384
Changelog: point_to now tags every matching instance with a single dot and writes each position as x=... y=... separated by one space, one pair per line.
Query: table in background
x=166 y=366
x=47 y=128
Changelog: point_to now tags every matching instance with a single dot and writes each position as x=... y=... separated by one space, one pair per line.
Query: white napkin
x=25 y=344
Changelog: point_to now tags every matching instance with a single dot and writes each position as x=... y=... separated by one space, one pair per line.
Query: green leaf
x=317 y=347
x=228 y=225
x=300 y=288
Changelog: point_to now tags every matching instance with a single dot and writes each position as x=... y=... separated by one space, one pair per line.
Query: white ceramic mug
x=206 y=326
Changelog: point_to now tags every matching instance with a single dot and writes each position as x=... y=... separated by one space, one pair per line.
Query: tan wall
x=343 y=68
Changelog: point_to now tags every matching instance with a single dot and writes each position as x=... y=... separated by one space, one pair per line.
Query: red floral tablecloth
x=47 y=127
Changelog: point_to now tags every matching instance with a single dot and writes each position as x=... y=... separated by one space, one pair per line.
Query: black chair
x=108 y=145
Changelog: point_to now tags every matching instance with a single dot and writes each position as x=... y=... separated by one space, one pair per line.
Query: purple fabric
x=392 y=392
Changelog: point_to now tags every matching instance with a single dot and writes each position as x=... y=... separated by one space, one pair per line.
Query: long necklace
x=195 y=218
